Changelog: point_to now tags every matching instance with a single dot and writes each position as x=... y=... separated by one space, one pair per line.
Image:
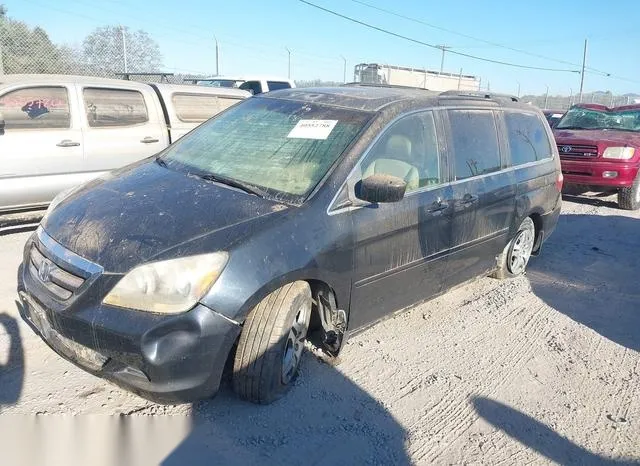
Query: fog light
x=609 y=174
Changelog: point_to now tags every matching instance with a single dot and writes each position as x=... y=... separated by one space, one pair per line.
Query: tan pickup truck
x=59 y=131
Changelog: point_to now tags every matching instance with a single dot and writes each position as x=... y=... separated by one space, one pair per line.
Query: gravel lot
x=541 y=369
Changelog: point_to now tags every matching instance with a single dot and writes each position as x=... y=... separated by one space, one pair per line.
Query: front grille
x=577 y=150
x=60 y=271
x=59 y=282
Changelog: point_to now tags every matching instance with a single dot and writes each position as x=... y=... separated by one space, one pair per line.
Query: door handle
x=469 y=199
x=438 y=206
x=149 y=140
x=67 y=143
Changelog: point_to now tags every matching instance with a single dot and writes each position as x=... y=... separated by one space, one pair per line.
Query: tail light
x=559 y=182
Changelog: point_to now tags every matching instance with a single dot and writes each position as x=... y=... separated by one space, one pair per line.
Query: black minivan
x=299 y=210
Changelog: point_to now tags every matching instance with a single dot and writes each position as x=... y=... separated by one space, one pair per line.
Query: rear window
x=114 y=107
x=475 y=143
x=284 y=147
x=36 y=108
x=528 y=138
x=277 y=85
x=198 y=108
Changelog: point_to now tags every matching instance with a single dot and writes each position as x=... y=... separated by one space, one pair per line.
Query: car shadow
x=324 y=419
x=598 y=200
x=589 y=272
x=12 y=362
x=539 y=437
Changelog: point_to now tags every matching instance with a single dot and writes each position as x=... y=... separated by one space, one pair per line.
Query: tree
x=26 y=50
x=104 y=51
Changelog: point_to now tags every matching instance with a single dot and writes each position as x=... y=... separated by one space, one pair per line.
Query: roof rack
x=480 y=94
x=389 y=86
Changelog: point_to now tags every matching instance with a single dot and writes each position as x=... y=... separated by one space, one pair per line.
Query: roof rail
x=480 y=94
x=390 y=86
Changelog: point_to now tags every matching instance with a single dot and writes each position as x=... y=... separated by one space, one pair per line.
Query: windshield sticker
x=313 y=129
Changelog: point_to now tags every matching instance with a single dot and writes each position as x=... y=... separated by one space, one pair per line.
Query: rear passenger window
x=277 y=85
x=114 y=107
x=475 y=143
x=528 y=139
x=36 y=108
x=199 y=108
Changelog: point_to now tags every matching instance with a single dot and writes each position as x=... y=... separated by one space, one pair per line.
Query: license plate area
x=84 y=356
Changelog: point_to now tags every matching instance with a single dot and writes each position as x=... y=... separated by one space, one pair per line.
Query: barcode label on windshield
x=313 y=129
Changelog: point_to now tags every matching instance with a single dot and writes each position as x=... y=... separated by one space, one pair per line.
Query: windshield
x=586 y=118
x=280 y=146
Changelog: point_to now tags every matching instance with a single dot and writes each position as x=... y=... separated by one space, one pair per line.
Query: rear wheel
x=271 y=344
x=515 y=257
x=629 y=197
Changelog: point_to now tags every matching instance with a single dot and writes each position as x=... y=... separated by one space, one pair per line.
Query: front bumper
x=591 y=173
x=169 y=359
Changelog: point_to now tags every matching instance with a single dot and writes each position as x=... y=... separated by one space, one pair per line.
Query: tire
x=629 y=197
x=271 y=343
x=513 y=260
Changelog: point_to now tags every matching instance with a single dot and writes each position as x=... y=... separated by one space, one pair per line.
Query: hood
x=147 y=210
x=597 y=137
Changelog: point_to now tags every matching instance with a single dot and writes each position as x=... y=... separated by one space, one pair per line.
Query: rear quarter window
x=194 y=108
x=528 y=139
x=36 y=108
x=474 y=142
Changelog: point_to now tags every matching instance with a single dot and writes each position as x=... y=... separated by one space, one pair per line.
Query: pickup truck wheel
x=271 y=344
x=516 y=254
x=629 y=197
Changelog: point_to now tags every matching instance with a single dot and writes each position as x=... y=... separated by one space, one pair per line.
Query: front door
x=400 y=247
x=483 y=194
x=41 y=150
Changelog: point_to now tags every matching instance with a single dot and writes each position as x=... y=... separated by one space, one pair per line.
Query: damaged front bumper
x=169 y=359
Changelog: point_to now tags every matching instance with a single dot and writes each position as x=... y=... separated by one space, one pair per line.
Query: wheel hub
x=295 y=343
x=520 y=252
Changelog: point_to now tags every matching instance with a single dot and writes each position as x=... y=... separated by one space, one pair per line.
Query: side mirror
x=1 y=127
x=381 y=188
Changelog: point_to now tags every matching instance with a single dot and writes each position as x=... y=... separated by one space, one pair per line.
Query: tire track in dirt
x=454 y=412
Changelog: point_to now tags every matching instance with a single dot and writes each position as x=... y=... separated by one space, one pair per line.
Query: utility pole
x=459 y=78
x=289 y=66
x=344 y=70
x=444 y=49
x=124 y=48
x=584 y=64
x=518 y=95
x=217 y=61
x=546 y=97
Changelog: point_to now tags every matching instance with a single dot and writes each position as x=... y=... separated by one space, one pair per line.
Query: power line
x=467 y=36
x=419 y=42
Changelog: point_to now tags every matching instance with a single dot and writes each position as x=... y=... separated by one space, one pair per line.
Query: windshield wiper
x=571 y=127
x=247 y=188
x=161 y=162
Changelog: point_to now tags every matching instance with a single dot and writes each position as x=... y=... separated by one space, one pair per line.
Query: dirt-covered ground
x=543 y=368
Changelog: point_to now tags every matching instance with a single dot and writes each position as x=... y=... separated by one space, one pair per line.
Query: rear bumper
x=172 y=359
x=591 y=173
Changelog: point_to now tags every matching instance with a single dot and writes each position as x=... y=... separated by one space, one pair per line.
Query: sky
x=253 y=37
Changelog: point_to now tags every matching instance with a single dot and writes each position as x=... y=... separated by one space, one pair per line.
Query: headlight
x=624 y=153
x=168 y=287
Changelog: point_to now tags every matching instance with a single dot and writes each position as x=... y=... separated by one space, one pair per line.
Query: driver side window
x=407 y=150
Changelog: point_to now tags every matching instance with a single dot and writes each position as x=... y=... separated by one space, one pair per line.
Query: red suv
x=600 y=150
